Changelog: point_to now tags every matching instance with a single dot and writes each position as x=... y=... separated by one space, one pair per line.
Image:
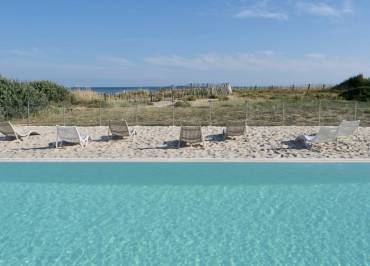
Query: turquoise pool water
x=184 y=214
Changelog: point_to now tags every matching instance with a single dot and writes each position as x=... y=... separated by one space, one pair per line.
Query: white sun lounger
x=120 y=129
x=325 y=135
x=9 y=131
x=234 y=129
x=71 y=135
x=347 y=129
x=191 y=135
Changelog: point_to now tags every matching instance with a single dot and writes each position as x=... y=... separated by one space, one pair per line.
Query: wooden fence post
x=283 y=114
x=99 y=113
x=173 y=114
x=246 y=112
x=64 y=115
x=28 y=112
x=136 y=110
x=319 y=112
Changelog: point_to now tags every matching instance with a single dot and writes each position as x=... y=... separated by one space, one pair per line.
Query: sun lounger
x=325 y=135
x=347 y=129
x=235 y=129
x=9 y=131
x=191 y=135
x=71 y=135
x=119 y=129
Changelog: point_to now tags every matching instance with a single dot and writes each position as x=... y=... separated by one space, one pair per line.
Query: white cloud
x=316 y=56
x=26 y=52
x=315 y=63
x=262 y=9
x=235 y=62
x=267 y=52
x=114 y=60
x=261 y=13
x=261 y=68
x=347 y=6
x=325 y=10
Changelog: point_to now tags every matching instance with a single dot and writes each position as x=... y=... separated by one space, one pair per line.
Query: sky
x=155 y=43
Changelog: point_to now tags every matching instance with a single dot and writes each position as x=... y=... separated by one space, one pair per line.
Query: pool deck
x=180 y=160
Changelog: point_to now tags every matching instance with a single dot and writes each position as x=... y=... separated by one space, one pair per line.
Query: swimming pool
x=184 y=213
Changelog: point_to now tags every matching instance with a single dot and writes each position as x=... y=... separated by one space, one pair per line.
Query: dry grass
x=215 y=112
x=87 y=95
x=260 y=107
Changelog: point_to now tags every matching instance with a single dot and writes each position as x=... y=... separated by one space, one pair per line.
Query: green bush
x=353 y=82
x=358 y=94
x=53 y=91
x=191 y=98
x=182 y=104
x=16 y=97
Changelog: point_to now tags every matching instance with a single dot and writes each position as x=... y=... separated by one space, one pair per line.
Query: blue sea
x=113 y=90
x=184 y=214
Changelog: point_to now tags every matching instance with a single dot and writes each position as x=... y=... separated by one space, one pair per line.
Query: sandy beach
x=161 y=143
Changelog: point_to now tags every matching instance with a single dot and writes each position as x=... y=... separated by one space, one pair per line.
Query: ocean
x=112 y=90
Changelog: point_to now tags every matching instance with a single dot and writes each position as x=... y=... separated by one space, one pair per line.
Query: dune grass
x=209 y=112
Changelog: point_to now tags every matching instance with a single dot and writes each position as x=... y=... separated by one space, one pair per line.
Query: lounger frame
x=191 y=135
x=119 y=128
x=8 y=130
x=74 y=137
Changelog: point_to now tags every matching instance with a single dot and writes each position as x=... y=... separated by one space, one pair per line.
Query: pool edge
x=180 y=160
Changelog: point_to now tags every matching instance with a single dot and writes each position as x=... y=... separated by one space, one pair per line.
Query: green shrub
x=182 y=104
x=212 y=96
x=16 y=97
x=191 y=98
x=53 y=91
x=353 y=82
x=358 y=94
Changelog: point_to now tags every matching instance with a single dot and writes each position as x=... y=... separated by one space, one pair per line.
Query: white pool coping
x=179 y=160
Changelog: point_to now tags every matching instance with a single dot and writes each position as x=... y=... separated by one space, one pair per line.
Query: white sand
x=161 y=143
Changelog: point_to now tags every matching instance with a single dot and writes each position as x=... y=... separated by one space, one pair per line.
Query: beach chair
x=191 y=135
x=325 y=135
x=347 y=129
x=234 y=129
x=71 y=135
x=119 y=129
x=9 y=131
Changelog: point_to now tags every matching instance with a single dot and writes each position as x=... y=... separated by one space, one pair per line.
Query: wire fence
x=211 y=112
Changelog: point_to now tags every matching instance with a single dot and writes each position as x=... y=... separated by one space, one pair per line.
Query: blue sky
x=139 y=43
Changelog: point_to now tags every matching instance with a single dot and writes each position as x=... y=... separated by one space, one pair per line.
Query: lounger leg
x=57 y=140
x=17 y=139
